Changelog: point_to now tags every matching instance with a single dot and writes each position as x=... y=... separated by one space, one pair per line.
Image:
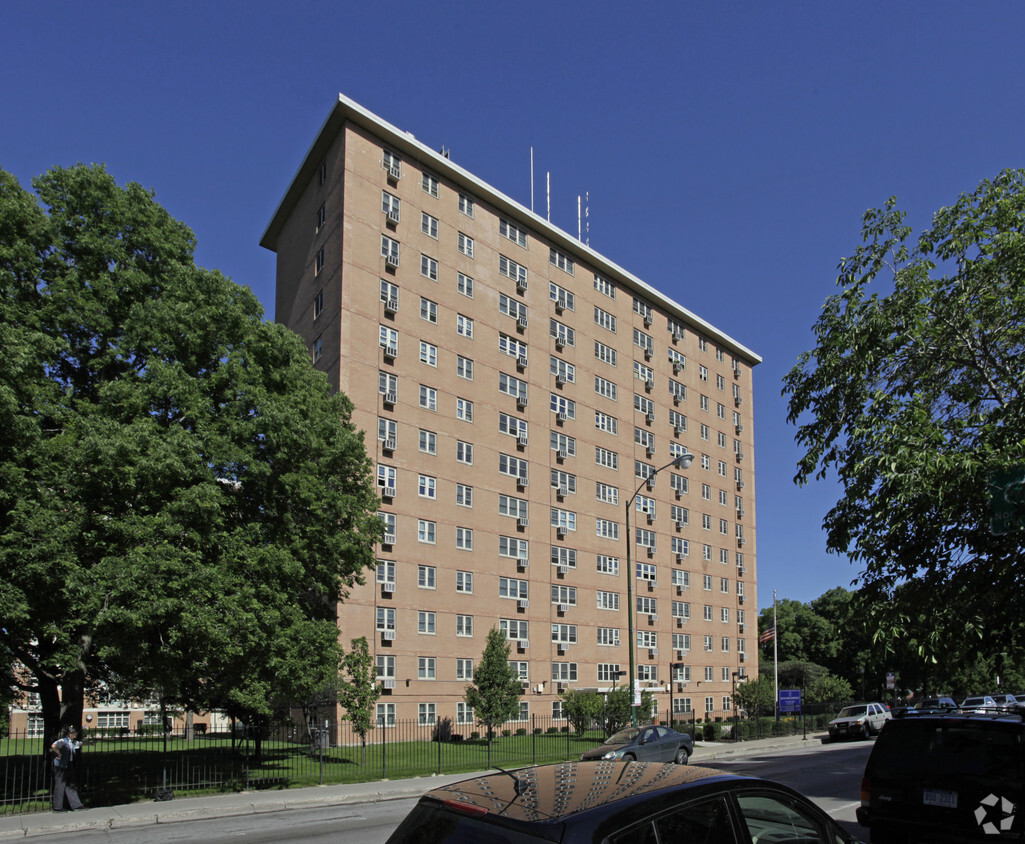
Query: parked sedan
x=644 y=744
x=859 y=720
x=617 y=802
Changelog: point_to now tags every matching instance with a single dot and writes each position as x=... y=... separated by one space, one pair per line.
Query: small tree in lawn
x=359 y=693
x=494 y=694
x=581 y=708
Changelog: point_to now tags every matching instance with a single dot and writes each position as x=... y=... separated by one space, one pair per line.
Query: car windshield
x=851 y=712
x=623 y=736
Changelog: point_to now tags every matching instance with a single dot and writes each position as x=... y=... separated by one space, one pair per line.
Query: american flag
x=767 y=636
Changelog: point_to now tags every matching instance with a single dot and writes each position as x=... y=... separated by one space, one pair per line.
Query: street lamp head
x=683 y=461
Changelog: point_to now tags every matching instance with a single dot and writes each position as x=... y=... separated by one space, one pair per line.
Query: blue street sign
x=790 y=700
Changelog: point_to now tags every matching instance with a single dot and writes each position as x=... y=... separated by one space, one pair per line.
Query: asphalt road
x=830 y=775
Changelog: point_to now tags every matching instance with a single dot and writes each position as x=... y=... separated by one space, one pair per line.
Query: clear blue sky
x=729 y=149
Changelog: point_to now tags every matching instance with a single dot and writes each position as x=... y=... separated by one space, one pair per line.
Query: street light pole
x=682 y=461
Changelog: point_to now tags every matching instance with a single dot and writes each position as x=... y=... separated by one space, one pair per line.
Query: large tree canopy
x=182 y=498
x=912 y=396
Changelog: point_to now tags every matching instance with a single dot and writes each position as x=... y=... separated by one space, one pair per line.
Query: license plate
x=935 y=797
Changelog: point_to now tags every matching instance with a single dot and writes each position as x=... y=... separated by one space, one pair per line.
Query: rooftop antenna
x=587 y=217
x=548 y=189
x=578 y=217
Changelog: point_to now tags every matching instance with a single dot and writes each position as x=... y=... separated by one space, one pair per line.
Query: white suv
x=859 y=720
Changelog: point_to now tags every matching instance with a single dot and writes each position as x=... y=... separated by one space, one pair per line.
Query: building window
x=318 y=304
x=560 y=260
x=510 y=269
x=427 y=577
x=428 y=397
x=464 y=539
x=428 y=442
x=464 y=326
x=464 y=669
x=512 y=232
x=426 y=668
x=386 y=715
x=318 y=349
x=464 y=409
x=466 y=205
x=464 y=285
x=429 y=184
x=465 y=245
x=464 y=452
x=464 y=582
x=426 y=531
x=319 y=264
x=429 y=267
x=428 y=487
x=427 y=713
x=464 y=368
x=390 y=249
x=425 y=622
x=464 y=626
x=428 y=354
x=604 y=319
x=390 y=205
x=428 y=310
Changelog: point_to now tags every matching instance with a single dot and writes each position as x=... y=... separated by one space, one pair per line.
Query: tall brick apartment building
x=516 y=388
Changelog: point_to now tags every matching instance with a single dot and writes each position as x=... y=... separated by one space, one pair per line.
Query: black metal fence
x=125 y=766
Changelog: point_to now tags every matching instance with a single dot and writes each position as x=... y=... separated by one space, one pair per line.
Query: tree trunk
x=49 y=698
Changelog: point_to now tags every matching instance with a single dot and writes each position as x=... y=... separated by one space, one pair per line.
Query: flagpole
x=775 y=651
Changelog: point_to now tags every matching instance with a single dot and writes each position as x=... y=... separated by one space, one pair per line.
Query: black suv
x=946 y=778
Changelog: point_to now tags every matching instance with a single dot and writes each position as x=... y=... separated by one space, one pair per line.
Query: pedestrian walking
x=65 y=785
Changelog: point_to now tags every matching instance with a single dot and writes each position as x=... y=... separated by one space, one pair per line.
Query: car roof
x=554 y=792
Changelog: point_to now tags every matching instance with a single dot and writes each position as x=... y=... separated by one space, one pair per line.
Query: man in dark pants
x=64 y=786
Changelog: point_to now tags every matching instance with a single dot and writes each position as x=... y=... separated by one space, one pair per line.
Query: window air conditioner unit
x=562 y=455
x=388 y=684
x=560 y=380
x=647 y=320
x=560 y=687
x=651 y=517
x=393 y=216
x=678 y=429
x=738 y=401
x=741 y=570
x=388 y=539
x=742 y=656
x=523 y=603
x=651 y=550
x=652 y=653
x=521 y=361
x=677 y=367
x=521 y=402
x=562 y=647
x=736 y=372
x=391 y=306
x=388 y=586
x=521 y=439
x=562 y=492
x=677 y=335
x=394 y=171
x=522 y=521
x=650 y=451
x=523 y=644
x=740 y=456
x=680 y=621
x=647 y=354
x=740 y=429
x=680 y=558
x=563 y=570
x=740 y=513
x=390 y=351
x=525 y=684
x=564 y=608
x=650 y=416
x=679 y=524
x=388 y=492
x=679 y=588
x=522 y=562
x=389 y=444
x=740 y=485
x=392 y=260
x=521 y=285
x=652 y=585
x=679 y=653
x=741 y=542
x=521 y=481
x=649 y=385
x=562 y=416
x=388 y=635
x=390 y=397
x=651 y=481
x=740 y=599
x=560 y=343
x=679 y=493
x=521 y=320
x=653 y=618
x=680 y=685
x=742 y=627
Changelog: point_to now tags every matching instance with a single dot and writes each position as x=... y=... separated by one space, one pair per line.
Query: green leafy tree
x=494 y=694
x=913 y=397
x=757 y=697
x=581 y=708
x=358 y=692
x=616 y=710
x=829 y=689
x=183 y=500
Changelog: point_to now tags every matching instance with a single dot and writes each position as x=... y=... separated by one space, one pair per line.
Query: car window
x=704 y=822
x=771 y=820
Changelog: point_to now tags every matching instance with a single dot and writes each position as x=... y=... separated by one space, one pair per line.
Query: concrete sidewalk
x=255 y=802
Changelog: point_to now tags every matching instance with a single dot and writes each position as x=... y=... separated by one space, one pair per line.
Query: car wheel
x=629 y=757
x=682 y=756
x=866 y=730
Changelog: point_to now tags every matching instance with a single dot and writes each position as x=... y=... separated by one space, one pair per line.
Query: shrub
x=456 y=737
x=506 y=733
x=552 y=731
x=474 y=736
x=521 y=732
x=564 y=729
x=538 y=731
x=708 y=732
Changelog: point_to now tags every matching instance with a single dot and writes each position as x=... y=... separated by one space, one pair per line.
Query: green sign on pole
x=1008 y=501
